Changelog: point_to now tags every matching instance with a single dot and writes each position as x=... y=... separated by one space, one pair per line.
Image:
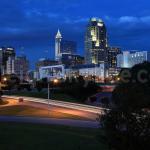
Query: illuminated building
x=130 y=58
x=112 y=56
x=71 y=59
x=7 y=56
x=58 y=39
x=10 y=65
x=43 y=62
x=63 y=46
x=98 y=71
x=96 y=42
x=21 y=67
x=1 y=61
x=52 y=72
x=61 y=71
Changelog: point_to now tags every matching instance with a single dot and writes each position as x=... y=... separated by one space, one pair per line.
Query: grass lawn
x=43 y=94
x=18 y=136
x=21 y=110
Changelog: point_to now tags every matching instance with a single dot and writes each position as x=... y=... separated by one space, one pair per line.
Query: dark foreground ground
x=19 y=136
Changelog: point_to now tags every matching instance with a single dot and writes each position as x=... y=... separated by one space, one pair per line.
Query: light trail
x=82 y=107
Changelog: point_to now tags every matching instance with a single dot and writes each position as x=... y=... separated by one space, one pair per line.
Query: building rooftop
x=58 y=35
x=96 y=19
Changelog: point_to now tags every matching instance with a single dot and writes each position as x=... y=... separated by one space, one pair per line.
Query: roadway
x=68 y=105
x=51 y=121
x=90 y=113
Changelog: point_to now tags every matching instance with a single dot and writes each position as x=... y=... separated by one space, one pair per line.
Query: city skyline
x=33 y=24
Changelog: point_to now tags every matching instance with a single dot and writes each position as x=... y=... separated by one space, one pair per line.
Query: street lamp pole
x=55 y=81
x=48 y=95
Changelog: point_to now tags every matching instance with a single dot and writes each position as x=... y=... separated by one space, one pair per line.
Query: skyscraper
x=64 y=47
x=21 y=67
x=112 y=56
x=1 y=61
x=96 y=42
x=69 y=47
x=58 y=39
x=72 y=59
x=7 y=57
x=130 y=58
x=10 y=65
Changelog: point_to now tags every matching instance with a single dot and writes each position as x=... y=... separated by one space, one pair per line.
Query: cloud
x=128 y=19
x=75 y=20
x=145 y=19
x=35 y=22
x=129 y=32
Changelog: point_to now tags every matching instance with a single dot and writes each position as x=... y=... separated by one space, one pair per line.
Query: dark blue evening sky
x=32 y=24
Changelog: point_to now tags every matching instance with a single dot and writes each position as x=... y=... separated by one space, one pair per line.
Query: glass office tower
x=96 y=42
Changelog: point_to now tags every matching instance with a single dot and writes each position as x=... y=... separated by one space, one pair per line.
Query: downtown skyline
x=33 y=24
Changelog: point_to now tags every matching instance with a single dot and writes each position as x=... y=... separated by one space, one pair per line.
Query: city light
x=55 y=81
x=5 y=79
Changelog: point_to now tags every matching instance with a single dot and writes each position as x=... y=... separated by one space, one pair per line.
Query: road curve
x=82 y=107
x=51 y=121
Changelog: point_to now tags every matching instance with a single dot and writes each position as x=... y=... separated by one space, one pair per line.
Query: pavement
x=75 y=106
x=51 y=121
x=53 y=108
x=86 y=111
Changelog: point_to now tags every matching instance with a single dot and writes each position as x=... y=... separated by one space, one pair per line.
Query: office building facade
x=43 y=62
x=58 y=40
x=7 y=57
x=63 y=46
x=71 y=59
x=21 y=67
x=112 y=56
x=69 y=47
x=130 y=58
x=96 y=42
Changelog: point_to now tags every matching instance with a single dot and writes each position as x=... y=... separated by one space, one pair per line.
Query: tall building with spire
x=96 y=42
x=64 y=47
x=58 y=39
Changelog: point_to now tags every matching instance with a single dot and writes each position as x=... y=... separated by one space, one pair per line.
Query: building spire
x=58 y=35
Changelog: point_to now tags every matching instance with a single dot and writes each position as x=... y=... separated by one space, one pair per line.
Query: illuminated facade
x=130 y=58
x=43 y=62
x=72 y=59
x=52 y=72
x=96 y=42
x=10 y=65
x=7 y=56
x=112 y=56
x=58 y=39
x=88 y=71
x=21 y=67
x=63 y=47
x=1 y=61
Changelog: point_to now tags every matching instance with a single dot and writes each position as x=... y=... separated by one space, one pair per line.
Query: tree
x=127 y=124
x=39 y=86
x=79 y=88
x=105 y=101
x=12 y=81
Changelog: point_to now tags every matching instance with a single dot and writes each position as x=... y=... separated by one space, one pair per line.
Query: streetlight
x=4 y=79
x=55 y=81
x=118 y=78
